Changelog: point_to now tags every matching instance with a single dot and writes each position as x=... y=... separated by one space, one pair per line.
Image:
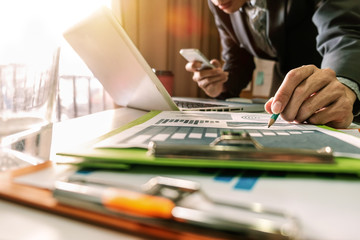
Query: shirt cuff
x=355 y=87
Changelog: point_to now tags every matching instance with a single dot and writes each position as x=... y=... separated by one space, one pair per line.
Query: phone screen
x=192 y=54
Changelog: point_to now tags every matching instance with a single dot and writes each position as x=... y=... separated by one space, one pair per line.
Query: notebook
x=115 y=61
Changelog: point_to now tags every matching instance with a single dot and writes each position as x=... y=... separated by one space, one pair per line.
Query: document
x=202 y=128
x=294 y=193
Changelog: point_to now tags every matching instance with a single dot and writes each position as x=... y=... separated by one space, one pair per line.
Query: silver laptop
x=115 y=61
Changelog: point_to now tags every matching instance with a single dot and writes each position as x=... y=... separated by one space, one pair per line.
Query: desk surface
x=334 y=204
x=20 y=223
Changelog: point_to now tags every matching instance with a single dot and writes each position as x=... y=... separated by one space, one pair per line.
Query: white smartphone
x=193 y=54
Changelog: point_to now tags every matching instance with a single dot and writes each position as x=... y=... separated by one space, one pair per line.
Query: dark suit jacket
x=323 y=33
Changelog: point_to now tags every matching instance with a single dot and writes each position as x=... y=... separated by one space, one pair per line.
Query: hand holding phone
x=193 y=54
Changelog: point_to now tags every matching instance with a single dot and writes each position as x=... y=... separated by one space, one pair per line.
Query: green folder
x=121 y=158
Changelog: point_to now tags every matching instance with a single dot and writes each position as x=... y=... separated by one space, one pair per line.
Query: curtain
x=160 y=28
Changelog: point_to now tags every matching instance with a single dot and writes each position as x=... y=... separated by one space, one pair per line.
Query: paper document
x=295 y=193
x=202 y=128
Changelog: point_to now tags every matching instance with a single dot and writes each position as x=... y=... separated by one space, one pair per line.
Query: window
x=37 y=26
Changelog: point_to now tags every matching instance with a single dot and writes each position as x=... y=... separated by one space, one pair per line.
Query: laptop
x=115 y=61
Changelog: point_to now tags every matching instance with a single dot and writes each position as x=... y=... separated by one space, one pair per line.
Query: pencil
x=273 y=119
x=137 y=203
x=116 y=199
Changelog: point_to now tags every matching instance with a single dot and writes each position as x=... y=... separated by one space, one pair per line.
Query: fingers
x=204 y=82
x=313 y=95
x=337 y=115
x=196 y=65
x=211 y=81
x=326 y=96
x=214 y=89
x=193 y=66
x=287 y=88
x=216 y=63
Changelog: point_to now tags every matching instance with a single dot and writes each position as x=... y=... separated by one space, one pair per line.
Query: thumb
x=216 y=63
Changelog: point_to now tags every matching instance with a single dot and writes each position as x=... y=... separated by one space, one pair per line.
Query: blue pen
x=273 y=119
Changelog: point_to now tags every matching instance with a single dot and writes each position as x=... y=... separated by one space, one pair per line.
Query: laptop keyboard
x=186 y=104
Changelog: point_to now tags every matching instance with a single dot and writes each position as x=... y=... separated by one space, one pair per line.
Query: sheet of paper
x=297 y=194
x=174 y=127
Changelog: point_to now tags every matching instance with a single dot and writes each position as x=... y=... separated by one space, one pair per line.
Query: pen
x=116 y=199
x=273 y=119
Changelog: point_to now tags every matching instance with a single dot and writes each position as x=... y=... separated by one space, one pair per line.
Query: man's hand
x=210 y=80
x=313 y=95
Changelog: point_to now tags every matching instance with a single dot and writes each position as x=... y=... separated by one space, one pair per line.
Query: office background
x=159 y=28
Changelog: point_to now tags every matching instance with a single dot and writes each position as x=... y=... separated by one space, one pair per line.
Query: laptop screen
x=116 y=62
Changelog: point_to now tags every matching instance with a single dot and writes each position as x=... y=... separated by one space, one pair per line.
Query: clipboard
x=42 y=199
x=240 y=146
x=118 y=158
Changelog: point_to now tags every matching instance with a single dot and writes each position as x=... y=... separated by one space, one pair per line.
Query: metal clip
x=194 y=207
x=240 y=146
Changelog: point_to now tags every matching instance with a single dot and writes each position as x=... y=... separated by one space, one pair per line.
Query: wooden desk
x=20 y=223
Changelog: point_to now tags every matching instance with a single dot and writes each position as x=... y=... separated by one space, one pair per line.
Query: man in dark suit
x=316 y=46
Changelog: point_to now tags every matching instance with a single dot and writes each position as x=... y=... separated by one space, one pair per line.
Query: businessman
x=316 y=47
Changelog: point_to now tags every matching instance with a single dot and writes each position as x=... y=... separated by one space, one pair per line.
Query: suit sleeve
x=338 y=40
x=238 y=62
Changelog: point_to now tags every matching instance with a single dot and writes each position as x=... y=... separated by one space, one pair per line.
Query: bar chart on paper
x=204 y=128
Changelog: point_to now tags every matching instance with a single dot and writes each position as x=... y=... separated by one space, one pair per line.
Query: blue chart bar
x=248 y=180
